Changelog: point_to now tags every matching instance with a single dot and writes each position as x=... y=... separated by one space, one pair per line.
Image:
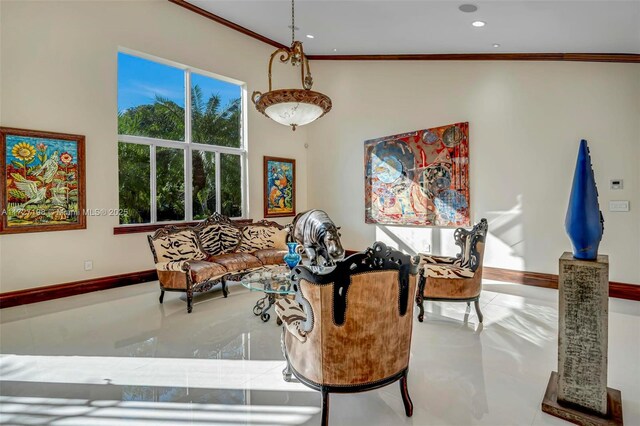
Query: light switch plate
x=619 y=206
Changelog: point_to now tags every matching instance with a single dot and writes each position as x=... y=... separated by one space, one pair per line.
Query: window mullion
x=218 y=185
x=188 y=180
x=244 y=180
x=152 y=180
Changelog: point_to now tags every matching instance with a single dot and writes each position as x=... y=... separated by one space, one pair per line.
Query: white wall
x=526 y=119
x=59 y=74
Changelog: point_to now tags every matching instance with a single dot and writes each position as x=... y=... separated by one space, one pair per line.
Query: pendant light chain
x=293 y=22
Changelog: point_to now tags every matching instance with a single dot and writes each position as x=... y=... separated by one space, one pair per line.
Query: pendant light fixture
x=292 y=107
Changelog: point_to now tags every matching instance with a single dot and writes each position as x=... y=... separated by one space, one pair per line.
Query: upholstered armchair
x=455 y=279
x=349 y=329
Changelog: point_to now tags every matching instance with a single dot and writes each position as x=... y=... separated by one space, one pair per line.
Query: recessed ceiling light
x=496 y=45
x=310 y=36
x=478 y=24
x=468 y=8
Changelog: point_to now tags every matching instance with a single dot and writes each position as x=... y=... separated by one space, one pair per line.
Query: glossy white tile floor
x=117 y=357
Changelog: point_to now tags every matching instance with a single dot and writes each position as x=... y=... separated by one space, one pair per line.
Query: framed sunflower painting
x=42 y=181
x=280 y=187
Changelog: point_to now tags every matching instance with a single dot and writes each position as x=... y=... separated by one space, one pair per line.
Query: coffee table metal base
x=262 y=307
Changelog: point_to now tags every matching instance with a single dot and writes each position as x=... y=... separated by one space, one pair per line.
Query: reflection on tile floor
x=117 y=357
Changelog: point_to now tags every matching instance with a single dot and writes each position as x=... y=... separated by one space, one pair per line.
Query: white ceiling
x=394 y=27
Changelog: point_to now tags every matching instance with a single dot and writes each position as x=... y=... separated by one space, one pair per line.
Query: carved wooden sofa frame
x=178 y=277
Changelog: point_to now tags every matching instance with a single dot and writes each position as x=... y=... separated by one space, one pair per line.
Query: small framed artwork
x=42 y=181
x=279 y=187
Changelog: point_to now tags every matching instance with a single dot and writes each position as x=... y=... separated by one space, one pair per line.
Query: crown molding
x=227 y=23
x=570 y=57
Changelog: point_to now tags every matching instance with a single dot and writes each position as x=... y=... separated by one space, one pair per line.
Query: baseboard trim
x=537 y=279
x=40 y=294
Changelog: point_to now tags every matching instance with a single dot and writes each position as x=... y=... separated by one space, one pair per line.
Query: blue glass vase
x=292 y=258
x=584 y=222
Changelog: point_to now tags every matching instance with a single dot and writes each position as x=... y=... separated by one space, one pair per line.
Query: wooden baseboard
x=40 y=294
x=537 y=279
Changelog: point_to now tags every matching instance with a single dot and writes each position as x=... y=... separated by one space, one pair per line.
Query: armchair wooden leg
x=161 y=296
x=325 y=408
x=406 y=399
x=420 y=297
x=477 y=306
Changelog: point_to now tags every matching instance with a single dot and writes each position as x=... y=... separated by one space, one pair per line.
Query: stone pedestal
x=580 y=386
x=583 y=332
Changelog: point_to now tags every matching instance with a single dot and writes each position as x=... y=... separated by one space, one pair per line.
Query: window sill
x=151 y=227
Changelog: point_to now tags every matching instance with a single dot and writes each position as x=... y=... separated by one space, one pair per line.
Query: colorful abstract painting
x=419 y=178
x=43 y=181
x=280 y=187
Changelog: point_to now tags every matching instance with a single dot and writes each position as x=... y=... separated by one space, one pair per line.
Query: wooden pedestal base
x=573 y=413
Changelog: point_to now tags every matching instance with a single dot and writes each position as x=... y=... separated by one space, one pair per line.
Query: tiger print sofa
x=195 y=259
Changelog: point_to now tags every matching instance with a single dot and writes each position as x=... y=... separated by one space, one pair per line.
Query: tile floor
x=117 y=357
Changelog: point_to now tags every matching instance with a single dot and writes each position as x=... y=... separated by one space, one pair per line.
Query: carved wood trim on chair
x=378 y=258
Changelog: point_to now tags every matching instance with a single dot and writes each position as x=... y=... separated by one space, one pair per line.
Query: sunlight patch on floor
x=139 y=371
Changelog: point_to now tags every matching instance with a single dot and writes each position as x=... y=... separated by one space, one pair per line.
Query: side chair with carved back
x=455 y=279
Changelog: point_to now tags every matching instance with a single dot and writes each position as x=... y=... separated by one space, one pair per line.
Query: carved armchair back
x=471 y=244
x=359 y=318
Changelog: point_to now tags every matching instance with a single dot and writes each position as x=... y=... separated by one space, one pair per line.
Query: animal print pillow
x=262 y=237
x=178 y=246
x=219 y=239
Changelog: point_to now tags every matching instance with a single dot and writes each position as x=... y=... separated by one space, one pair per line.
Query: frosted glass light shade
x=293 y=113
x=292 y=107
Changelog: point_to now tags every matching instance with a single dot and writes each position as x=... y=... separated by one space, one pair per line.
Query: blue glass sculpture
x=584 y=222
x=292 y=258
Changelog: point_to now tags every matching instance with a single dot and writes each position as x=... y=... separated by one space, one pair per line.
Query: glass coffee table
x=274 y=282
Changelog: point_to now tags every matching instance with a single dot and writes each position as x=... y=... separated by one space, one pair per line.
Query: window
x=181 y=154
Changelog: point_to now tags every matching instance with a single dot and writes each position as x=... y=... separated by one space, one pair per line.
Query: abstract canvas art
x=42 y=181
x=280 y=187
x=419 y=178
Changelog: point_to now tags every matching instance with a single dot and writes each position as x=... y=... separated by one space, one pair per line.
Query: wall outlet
x=427 y=249
x=88 y=265
x=619 y=206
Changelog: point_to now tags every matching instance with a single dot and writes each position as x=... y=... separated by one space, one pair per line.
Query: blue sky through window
x=140 y=80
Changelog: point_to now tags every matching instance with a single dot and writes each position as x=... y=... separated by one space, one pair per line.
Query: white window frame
x=188 y=145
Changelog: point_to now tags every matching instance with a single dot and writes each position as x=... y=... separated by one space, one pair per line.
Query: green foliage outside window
x=212 y=124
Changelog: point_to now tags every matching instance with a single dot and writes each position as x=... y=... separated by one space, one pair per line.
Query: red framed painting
x=43 y=181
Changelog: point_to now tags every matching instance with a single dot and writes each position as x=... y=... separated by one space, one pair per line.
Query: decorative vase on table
x=293 y=257
x=584 y=222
